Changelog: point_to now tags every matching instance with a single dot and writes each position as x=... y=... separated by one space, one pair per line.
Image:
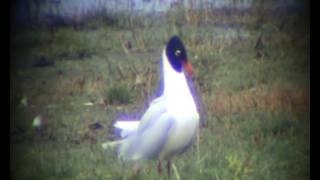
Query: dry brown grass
x=274 y=98
x=74 y=85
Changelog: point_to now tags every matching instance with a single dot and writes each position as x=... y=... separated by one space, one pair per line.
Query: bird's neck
x=175 y=84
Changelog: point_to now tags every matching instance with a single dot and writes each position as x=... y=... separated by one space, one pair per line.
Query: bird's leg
x=159 y=167
x=169 y=168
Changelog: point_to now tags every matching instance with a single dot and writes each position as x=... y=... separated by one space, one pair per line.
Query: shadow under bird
x=171 y=123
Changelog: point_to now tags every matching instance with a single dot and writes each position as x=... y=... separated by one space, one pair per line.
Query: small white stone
x=88 y=104
x=37 y=121
x=24 y=101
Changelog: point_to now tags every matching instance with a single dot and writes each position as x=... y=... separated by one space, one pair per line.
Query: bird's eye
x=177 y=52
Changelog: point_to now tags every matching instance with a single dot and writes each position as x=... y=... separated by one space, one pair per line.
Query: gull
x=171 y=123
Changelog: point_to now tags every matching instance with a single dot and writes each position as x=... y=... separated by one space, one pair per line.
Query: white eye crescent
x=177 y=52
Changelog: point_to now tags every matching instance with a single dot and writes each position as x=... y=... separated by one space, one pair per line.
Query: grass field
x=68 y=86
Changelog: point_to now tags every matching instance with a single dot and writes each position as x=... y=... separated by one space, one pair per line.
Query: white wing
x=148 y=141
x=126 y=127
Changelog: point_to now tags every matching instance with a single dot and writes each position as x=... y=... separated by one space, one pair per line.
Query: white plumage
x=168 y=127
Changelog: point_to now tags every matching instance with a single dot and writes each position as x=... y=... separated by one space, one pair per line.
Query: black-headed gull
x=170 y=124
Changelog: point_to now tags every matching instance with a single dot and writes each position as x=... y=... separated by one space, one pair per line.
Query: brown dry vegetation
x=261 y=97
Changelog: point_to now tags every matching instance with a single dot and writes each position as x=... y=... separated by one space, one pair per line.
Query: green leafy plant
x=118 y=95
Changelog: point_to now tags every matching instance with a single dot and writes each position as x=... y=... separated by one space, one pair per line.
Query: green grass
x=257 y=110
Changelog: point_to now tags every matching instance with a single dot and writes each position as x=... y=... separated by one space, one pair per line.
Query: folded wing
x=147 y=143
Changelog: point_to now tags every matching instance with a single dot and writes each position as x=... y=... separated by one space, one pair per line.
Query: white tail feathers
x=126 y=127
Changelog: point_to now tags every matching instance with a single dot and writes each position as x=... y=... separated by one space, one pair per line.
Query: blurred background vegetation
x=76 y=66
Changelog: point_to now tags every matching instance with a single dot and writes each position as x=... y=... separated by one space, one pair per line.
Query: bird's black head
x=177 y=55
